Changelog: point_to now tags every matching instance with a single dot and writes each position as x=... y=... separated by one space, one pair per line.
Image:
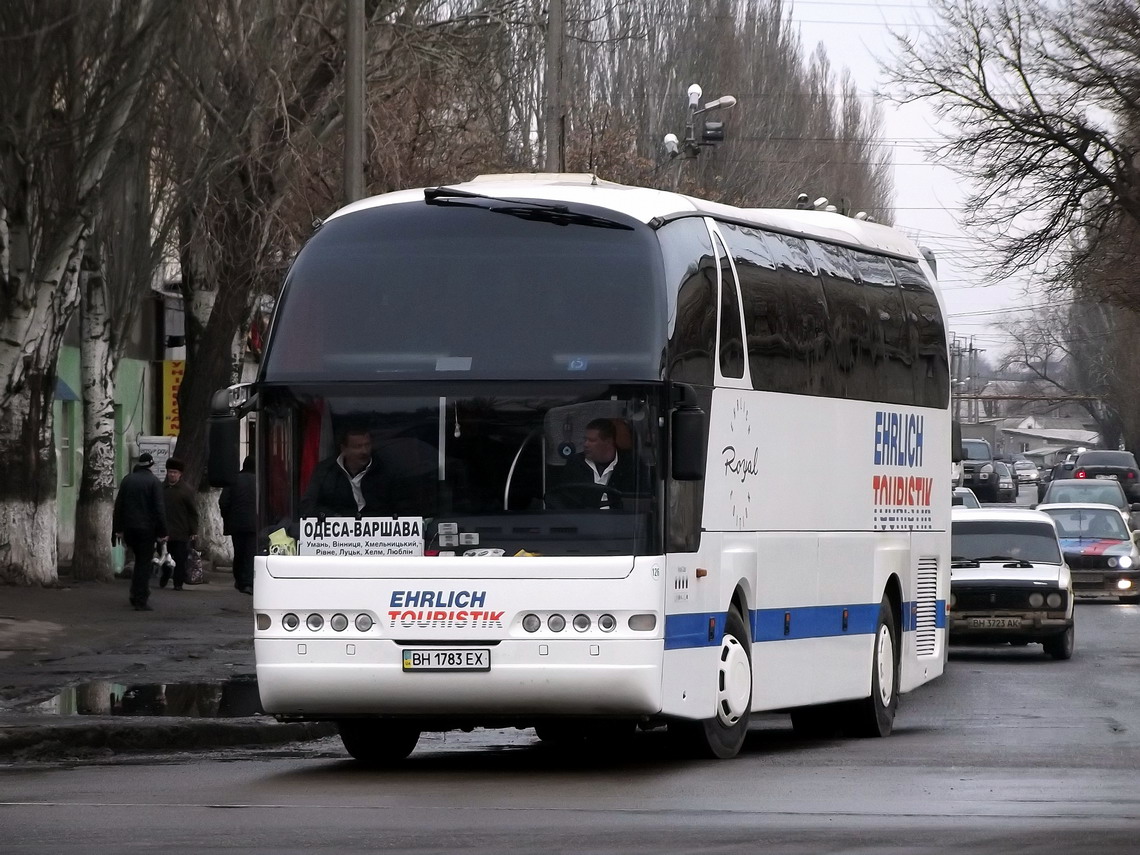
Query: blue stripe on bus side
x=693 y=630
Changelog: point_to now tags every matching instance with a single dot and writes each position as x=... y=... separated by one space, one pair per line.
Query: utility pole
x=354 y=101
x=555 y=121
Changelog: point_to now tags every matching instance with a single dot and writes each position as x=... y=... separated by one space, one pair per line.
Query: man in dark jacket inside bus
x=238 y=504
x=586 y=475
x=353 y=482
x=140 y=521
x=181 y=522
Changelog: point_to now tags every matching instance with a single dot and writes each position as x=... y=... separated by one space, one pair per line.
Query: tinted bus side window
x=852 y=374
x=893 y=352
x=784 y=311
x=690 y=277
x=931 y=369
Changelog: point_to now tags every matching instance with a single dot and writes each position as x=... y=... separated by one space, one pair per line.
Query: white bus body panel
x=328 y=673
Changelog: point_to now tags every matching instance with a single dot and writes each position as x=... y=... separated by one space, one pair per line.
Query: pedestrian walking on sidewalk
x=238 y=504
x=140 y=521
x=181 y=522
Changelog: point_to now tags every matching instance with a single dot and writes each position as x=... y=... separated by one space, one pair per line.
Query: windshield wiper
x=1011 y=562
x=543 y=212
x=959 y=561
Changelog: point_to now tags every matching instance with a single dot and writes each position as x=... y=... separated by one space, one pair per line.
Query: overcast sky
x=928 y=198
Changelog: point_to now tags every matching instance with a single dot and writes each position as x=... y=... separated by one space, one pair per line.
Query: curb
x=108 y=735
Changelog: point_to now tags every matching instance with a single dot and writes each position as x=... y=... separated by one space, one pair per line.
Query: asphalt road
x=1009 y=752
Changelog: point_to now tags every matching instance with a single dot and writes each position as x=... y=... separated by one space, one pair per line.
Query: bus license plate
x=995 y=623
x=448 y=659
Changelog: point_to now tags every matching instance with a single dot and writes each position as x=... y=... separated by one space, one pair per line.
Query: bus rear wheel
x=722 y=736
x=377 y=743
x=875 y=715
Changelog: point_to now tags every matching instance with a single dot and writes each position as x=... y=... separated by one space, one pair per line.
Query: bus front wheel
x=875 y=716
x=722 y=736
x=377 y=743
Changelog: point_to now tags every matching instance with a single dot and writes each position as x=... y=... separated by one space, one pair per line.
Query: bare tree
x=1038 y=94
x=1068 y=348
x=72 y=82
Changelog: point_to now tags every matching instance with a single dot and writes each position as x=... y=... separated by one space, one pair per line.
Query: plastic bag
x=162 y=558
x=195 y=567
x=118 y=557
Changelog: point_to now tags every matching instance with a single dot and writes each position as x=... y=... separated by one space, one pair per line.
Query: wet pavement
x=83 y=675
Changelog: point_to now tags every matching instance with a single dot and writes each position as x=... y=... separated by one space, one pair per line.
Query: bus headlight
x=290 y=621
x=531 y=623
x=314 y=622
x=339 y=623
x=581 y=622
x=556 y=623
x=364 y=622
x=607 y=623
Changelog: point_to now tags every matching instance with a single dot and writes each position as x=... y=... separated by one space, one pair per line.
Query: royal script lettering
x=741 y=467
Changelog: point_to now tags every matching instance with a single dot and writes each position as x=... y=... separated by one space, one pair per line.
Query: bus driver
x=599 y=465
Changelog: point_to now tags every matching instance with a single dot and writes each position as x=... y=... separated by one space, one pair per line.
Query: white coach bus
x=547 y=451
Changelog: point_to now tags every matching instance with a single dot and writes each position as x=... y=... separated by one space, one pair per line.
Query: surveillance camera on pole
x=672 y=148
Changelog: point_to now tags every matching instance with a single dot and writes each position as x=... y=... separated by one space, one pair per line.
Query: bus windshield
x=430 y=292
x=457 y=472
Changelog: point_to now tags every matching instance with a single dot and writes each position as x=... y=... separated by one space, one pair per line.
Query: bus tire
x=874 y=716
x=722 y=736
x=377 y=743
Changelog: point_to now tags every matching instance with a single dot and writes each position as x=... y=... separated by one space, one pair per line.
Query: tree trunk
x=213 y=545
x=93 y=514
x=30 y=338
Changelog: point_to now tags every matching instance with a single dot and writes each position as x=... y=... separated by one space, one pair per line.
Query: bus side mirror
x=689 y=443
x=957 y=453
x=223 y=442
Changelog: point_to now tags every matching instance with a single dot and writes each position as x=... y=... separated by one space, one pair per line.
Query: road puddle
x=231 y=699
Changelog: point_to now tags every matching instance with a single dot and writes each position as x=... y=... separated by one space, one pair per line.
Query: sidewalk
x=53 y=639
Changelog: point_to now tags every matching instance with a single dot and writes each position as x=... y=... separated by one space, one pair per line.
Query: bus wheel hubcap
x=734 y=682
x=885 y=662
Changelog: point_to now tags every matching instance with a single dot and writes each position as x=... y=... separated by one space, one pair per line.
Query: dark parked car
x=1110 y=466
x=978 y=469
x=1006 y=482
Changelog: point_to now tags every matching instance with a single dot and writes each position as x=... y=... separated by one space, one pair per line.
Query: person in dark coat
x=238 y=504
x=354 y=483
x=140 y=521
x=600 y=465
x=181 y=522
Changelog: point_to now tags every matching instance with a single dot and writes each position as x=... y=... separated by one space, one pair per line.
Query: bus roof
x=647 y=205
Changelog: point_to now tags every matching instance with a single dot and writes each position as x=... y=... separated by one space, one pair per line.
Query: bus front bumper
x=331 y=678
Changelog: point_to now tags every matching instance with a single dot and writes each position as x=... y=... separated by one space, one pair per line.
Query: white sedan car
x=1008 y=581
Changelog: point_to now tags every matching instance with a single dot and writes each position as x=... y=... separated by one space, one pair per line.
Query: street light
x=712 y=132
